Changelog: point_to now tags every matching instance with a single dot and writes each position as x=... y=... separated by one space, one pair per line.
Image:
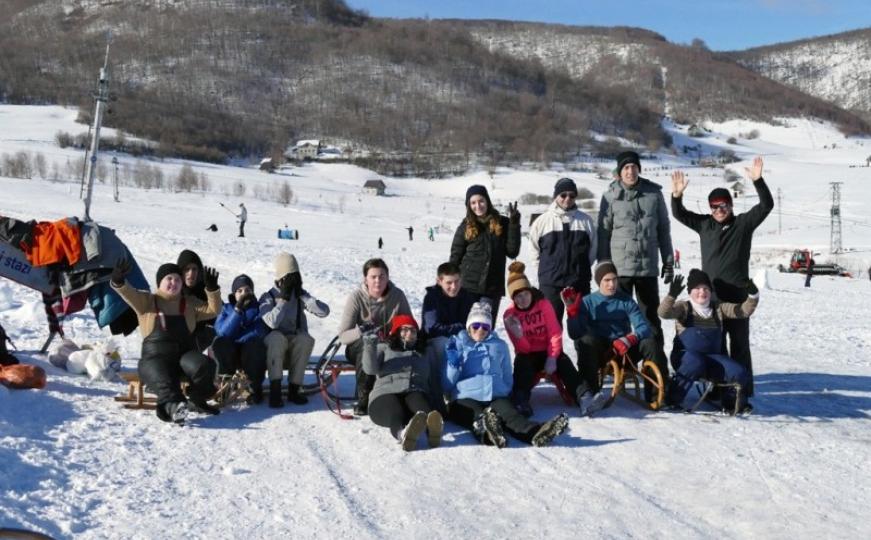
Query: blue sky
x=722 y=24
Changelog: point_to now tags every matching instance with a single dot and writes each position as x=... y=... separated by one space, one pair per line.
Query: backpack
x=6 y=358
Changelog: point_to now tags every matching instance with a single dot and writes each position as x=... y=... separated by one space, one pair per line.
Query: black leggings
x=395 y=410
x=526 y=366
x=463 y=412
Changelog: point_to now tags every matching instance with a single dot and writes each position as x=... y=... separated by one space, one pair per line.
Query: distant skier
x=410 y=233
x=380 y=243
x=431 y=234
x=677 y=259
x=809 y=270
x=243 y=217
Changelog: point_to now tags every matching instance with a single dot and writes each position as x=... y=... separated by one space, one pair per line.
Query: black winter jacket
x=482 y=260
x=442 y=315
x=726 y=246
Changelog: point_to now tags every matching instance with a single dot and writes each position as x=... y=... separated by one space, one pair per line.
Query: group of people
x=452 y=364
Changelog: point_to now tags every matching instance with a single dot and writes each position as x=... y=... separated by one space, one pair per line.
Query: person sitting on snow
x=537 y=337
x=599 y=323
x=191 y=267
x=699 y=345
x=283 y=310
x=167 y=320
x=240 y=332
x=478 y=378
x=407 y=389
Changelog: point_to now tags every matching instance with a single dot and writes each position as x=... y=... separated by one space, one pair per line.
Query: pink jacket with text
x=541 y=330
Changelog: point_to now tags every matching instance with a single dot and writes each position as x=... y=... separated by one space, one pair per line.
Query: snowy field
x=77 y=465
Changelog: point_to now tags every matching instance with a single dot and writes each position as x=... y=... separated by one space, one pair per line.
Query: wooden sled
x=135 y=397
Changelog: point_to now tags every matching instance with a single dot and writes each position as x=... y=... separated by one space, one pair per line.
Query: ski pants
x=161 y=374
x=714 y=367
x=595 y=351
x=527 y=366
x=738 y=331
x=292 y=350
x=395 y=410
x=250 y=357
x=464 y=412
x=646 y=290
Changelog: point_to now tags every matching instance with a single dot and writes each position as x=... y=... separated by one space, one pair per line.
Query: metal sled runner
x=327 y=374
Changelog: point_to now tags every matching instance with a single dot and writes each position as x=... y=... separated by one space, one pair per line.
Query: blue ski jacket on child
x=240 y=327
x=477 y=370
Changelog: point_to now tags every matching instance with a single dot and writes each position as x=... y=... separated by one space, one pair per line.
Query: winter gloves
x=572 y=300
x=676 y=286
x=513 y=214
x=245 y=302
x=289 y=285
x=121 y=269
x=622 y=345
x=550 y=365
x=210 y=278
x=667 y=273
x=751 y=288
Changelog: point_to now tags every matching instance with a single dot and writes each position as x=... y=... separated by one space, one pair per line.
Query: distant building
x=374 y=187
x=305 y=149
x=267 y=165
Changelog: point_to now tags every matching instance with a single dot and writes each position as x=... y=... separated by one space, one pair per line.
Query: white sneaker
x=411 y=433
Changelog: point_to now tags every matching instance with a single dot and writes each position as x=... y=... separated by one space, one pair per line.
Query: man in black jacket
x=725 y=241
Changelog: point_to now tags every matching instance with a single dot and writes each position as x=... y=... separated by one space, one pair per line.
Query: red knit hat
x=401 y=320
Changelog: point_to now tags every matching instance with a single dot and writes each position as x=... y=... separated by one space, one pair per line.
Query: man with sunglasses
x=563 y=241
x=635 y=233
x=725 y=241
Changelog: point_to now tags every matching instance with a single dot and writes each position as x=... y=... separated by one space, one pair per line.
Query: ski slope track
x=75 y=464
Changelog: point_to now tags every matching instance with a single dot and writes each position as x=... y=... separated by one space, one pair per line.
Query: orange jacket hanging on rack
x=55 y=242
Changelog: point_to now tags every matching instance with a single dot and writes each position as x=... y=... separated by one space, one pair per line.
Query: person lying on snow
x=478 y=378
x=699 y=345
x=407 y=387
x=537 y=337
x=167 y=320
x=239 y=344
x=599 y=323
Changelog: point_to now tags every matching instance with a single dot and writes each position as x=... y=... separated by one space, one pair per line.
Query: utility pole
x=779 y=207
x=115 y=179
x=835 y=242
x=101 y=98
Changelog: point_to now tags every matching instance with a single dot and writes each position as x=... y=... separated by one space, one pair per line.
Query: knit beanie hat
x=602 y=269
x=696 y=278
x=719 y=196
x=167 y=269
x=517 y=279
x=401 y=320
x=285 y=263
x=478 y=189
x=240 y=281
x=564 y=185
x=481 y=312
x=624 y=158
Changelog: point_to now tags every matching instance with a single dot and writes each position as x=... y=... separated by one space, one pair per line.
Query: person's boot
x=411 y=433
x=435 y=425
x=201 y=406
x=178 y=412
x=293 y=395
x=361 y=408
x=550 y=430
x=488 y=429
x=257 y=392
x=275 y=400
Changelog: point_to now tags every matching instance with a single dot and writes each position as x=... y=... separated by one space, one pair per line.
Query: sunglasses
x=480 y=326
x=721 y=206
x=568 y=195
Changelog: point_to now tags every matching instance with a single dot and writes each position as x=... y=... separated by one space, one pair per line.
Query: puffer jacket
x=633 y=227
x=240 y=327
x=564 y=247
x=541 y=330
x=400 y=371
x=484 y=371
x=609 y=317
x=482 y=259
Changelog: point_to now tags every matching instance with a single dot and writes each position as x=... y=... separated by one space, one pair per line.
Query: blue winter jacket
x=484 y=371
x=609 y=317
x=240 y=327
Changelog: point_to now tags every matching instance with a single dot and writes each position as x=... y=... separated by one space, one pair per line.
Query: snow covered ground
x=75 y=464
